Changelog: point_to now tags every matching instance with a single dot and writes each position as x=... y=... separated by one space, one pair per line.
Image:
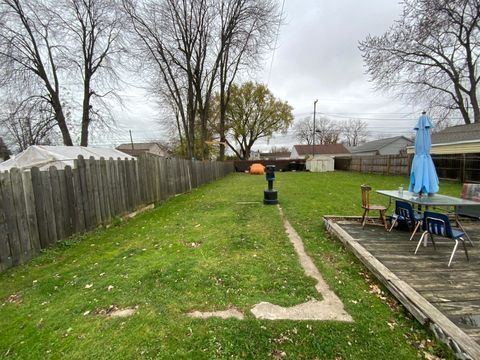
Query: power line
x=276 y=39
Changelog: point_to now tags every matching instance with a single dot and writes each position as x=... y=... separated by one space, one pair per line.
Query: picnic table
x=435 y=200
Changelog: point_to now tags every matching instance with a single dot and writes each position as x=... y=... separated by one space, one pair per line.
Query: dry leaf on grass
x=278 y=354
x=15 y=299
x=391 y=324
x=429 y=356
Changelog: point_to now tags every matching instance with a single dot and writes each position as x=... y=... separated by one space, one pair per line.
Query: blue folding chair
x=405 y=213
x=439 y=224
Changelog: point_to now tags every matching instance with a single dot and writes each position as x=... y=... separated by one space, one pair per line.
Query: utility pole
x=314 y=130
x=131 y=140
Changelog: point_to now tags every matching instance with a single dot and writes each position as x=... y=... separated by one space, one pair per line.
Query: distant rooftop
x=457 y=133
x=376 y=144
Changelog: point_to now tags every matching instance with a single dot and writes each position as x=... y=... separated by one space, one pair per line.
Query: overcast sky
x=316 y=57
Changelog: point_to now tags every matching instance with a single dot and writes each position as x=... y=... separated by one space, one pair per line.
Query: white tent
x=59 y=156
x=320 y=164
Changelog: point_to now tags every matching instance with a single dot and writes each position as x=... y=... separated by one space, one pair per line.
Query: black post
x=270 y=195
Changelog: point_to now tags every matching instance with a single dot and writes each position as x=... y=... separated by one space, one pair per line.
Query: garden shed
x=320 y=164
x=43 y=156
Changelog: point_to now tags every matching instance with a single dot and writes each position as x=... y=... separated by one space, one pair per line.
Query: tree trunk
x=475 y=106
x=191 y=122
x=60 y=117
x=221 y=127
x=204 y=130
x=85 y=113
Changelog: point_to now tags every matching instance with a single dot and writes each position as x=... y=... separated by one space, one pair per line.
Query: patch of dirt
x=224 y=314
x=114 y=311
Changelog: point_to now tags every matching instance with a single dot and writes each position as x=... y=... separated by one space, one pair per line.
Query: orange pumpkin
x=257 y=169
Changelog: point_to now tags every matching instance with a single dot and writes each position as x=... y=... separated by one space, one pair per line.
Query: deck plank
x=454 y=291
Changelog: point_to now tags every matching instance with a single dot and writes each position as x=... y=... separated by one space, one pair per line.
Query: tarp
x=59 y=156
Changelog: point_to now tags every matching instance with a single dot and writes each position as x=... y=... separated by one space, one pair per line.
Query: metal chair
x=405 y=213
x=367 y=206
x=439 y=224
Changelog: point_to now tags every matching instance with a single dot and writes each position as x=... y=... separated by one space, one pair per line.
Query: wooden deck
x=450 y=291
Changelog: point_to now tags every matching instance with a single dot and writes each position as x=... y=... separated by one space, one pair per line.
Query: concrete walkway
x=329 y=308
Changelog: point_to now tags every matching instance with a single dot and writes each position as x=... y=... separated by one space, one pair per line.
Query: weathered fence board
x=377 y=164
x=21 y=214
x=5 y=253
x=39 y=208
x=11 y=219
x=48 y=207
x=30 y=211
x=85 y=193
x=57 y=203
x=39 y=195
x=461 y=167
x=70 y=226
x=94 y=190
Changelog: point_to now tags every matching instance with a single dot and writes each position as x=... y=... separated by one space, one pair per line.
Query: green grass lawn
x=214 y=248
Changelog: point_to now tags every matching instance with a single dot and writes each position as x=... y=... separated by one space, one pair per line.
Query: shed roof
x=321 y=149
x=457 y=134
x=377 y=144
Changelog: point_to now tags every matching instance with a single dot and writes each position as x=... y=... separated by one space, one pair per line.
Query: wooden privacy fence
x=39 y=208
x=461 y=167
x=376 y=164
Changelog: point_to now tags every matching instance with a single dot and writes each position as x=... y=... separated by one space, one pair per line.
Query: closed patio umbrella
x=423 y=176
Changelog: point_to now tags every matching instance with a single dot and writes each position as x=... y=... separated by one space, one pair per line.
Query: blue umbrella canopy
x=423 y=176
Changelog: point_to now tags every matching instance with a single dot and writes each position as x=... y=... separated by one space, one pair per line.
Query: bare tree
x=246 y=30
x=354 y=131
x=41 y=39
x=93 y=29
x=326 y=131
x=198 y=46
x=28 y=122
x=303 y=130
x=431 y=54
x=30 y=51
x=168 y=43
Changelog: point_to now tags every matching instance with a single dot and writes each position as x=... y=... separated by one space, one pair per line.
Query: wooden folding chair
x=368 y=207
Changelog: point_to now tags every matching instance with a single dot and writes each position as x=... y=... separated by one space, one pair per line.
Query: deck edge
x=444 y=329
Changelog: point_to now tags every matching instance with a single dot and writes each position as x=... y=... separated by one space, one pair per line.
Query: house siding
x=294 y=154
x=394 y=148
